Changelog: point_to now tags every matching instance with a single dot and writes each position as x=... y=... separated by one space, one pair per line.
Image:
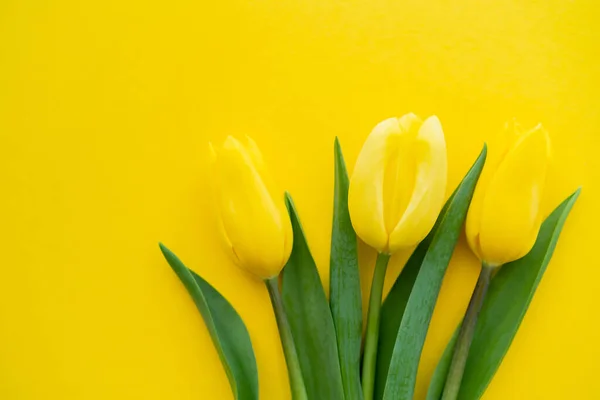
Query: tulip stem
x=465 y=336
x=372 y=335
x=289 y=349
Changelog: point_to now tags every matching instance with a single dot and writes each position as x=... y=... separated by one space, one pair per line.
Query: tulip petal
x=429 y=190
x=256 y=155
x=511 y=217
x=276 y=194
x=365 y=194
x=251 y=219
x=498 y=149
x=225 y=240
x=261 y=167
x=399 y=176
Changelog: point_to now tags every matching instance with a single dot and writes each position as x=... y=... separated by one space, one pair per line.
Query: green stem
x=465 y=336
x=287 y=341
x=372 y=335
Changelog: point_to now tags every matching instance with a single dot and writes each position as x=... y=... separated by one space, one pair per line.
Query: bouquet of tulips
x=393 y=200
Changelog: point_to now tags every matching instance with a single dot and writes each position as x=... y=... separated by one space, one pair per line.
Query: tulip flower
x=257 y=230
x=252 y=213
x=504 y=217
x=398 y=185
x=503 y=221
x=396 y=192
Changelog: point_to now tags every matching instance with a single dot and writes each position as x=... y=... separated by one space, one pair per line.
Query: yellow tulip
x=252 y=213
x=504 y=217
x=502 y=223
x=396 y=192
x=398 y=185
x=258 y=231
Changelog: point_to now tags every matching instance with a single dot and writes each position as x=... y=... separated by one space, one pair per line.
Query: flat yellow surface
x=105 y=111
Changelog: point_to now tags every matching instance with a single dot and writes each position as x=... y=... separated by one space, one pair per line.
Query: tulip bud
x=504 y=216
x=252 y=213
x=398 y=185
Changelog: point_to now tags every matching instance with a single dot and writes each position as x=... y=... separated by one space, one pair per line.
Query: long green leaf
x=504 y=307
x=393 y=307
x=402 y=372
x=226 y=328
x=344 y=289
x=310 y=318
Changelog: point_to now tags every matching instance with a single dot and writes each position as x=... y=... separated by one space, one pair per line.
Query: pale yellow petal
x=427 y=197
x=399 y=175
x=511 y=215
x=276 y=194
x=228 y=246
x=265 y=173
x=255 y=154
x=410 y=123
x=365 y=196
x=498 y=147
x=251 y=218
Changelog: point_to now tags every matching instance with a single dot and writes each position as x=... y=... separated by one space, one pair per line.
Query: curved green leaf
x=226 y=328
x=504 y=307
x=402 y=371
x=310 y=318
x=344 y=288
x=393 y=307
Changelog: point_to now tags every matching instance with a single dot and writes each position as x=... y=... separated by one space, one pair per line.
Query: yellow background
x=105 y=111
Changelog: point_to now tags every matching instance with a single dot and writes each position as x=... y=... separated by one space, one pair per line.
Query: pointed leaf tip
x=288 y=197
x=337 y=146
x=344 y=282
x=310 y=317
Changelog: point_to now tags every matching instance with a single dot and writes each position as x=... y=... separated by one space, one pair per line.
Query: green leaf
x=402 y=371
x=393 y=307
x=344 y=289
x=226 y=328
x=310 y=318
x=504 y=307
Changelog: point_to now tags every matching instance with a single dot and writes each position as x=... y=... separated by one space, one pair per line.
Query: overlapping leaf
x=393 y=307
x=504 y=307
x=410 y=336
x=310 y=318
